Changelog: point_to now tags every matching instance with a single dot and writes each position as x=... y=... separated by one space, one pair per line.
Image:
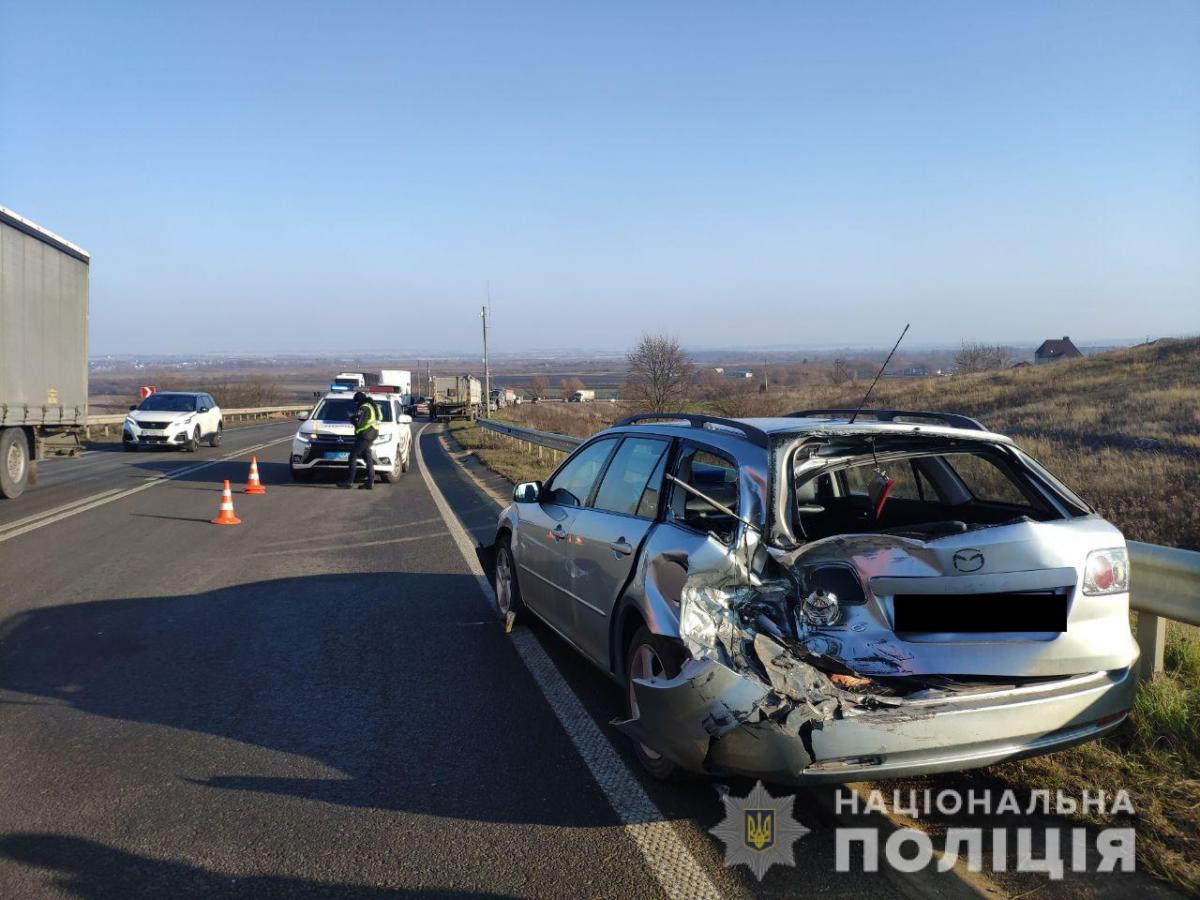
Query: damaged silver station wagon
x=827 y=596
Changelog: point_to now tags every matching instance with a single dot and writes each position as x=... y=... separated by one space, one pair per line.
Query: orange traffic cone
x=225 y=516
x=254 y=486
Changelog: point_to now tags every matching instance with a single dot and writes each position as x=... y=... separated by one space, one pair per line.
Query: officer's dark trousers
x=362 y=450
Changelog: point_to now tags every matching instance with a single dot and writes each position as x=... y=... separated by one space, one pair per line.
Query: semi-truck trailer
x=43 y=348
x=455 y=397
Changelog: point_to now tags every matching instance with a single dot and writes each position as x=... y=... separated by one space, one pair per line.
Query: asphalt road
x=317 y=702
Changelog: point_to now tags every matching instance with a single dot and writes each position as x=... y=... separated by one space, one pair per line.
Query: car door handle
x=559 y=532
x=621 y=547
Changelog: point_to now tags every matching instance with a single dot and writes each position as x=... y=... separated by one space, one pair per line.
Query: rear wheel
x=650 y=656
x=14 y=462
x=508 y=591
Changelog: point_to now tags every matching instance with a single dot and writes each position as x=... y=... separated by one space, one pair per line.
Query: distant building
x=1053 y=351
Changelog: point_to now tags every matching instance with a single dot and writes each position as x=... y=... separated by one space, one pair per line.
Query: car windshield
x=168 y=403
x=341 y=409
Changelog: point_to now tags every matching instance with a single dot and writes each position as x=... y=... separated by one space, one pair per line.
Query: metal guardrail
x=1164 y=584
x=1164 y=581
x=247 y=413
x=551 y=439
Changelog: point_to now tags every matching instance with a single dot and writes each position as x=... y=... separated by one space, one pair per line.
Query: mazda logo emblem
x=968 y=560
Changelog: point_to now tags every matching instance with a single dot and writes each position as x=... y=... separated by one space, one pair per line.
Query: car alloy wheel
x=645 y=664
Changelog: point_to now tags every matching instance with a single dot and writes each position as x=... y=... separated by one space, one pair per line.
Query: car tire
x=303 y=476
x=130 y=446
x=193 y=443
x=385 y=477
x=504 y=580
x=404 y=463
x=215 y=440
x=651 y=654
x=15 y=464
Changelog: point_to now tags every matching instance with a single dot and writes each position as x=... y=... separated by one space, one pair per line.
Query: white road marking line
x=673 y=866
x=16 y=529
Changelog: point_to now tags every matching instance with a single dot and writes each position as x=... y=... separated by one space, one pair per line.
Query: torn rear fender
x=709 y=718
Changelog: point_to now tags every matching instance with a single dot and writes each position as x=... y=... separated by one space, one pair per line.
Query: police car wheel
x=301 y=475
x=385 y=477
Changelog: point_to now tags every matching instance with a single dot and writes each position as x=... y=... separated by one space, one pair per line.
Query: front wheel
x=508 y=591
x=303 y=476
x=193 y=443
x=14 y=462
x=650 y=656
x=215 y=439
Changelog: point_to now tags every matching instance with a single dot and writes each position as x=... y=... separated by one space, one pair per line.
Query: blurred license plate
x=338 y=455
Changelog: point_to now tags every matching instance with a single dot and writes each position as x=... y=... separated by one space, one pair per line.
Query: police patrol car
x=326 y=437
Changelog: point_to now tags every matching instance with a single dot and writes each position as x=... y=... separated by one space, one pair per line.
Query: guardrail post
x=1152 y=639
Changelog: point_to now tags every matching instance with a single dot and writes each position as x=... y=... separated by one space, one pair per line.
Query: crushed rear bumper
x=711 y=719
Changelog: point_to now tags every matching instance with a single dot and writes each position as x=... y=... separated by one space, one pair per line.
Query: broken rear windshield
x=921 y=492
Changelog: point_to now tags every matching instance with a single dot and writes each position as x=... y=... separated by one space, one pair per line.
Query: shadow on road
x=92 y=870
x=403 y=683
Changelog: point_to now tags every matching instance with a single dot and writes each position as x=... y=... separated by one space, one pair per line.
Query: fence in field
x=1164 y=581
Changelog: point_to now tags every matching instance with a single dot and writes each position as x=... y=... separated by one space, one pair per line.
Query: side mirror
x=204 y=409
x=527 y=492
x=404 y=419
x=302 y=415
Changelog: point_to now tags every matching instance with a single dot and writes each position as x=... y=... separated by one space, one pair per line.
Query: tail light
x=1106 y=572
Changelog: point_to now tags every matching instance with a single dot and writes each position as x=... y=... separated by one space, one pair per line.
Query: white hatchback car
x=180 y=419
x=326 y=437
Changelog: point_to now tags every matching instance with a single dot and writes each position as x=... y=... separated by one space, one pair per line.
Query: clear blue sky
x=301 y=176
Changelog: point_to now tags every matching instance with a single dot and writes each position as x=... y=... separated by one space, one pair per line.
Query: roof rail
x=954 y=420
x=757 y=436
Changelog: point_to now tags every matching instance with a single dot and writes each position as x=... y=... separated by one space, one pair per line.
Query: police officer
x=365 y=420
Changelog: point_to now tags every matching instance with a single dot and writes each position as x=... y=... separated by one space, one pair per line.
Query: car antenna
x=878 y=375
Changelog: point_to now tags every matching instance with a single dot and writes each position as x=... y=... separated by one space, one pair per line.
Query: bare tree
x=538 y=385
x=570 y=385
x=659 y=374
x=973 y=357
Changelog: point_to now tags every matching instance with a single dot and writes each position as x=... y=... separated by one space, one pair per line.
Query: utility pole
x=487 y=372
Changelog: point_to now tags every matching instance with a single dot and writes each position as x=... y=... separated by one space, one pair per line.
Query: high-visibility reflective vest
x=371 y=420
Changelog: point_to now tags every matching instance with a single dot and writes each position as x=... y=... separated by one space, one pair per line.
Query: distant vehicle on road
x=353 y=381
x=585 y=396
x=43 y=348
x=808 y=599
x=325 y=437
x=400 y=381
x=455 y=397
x=502 y=397
x=179 y=419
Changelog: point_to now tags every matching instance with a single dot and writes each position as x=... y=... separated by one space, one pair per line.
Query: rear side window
x=572 y=485
x=985 y=480
x=716 y=478
x=633 y=479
